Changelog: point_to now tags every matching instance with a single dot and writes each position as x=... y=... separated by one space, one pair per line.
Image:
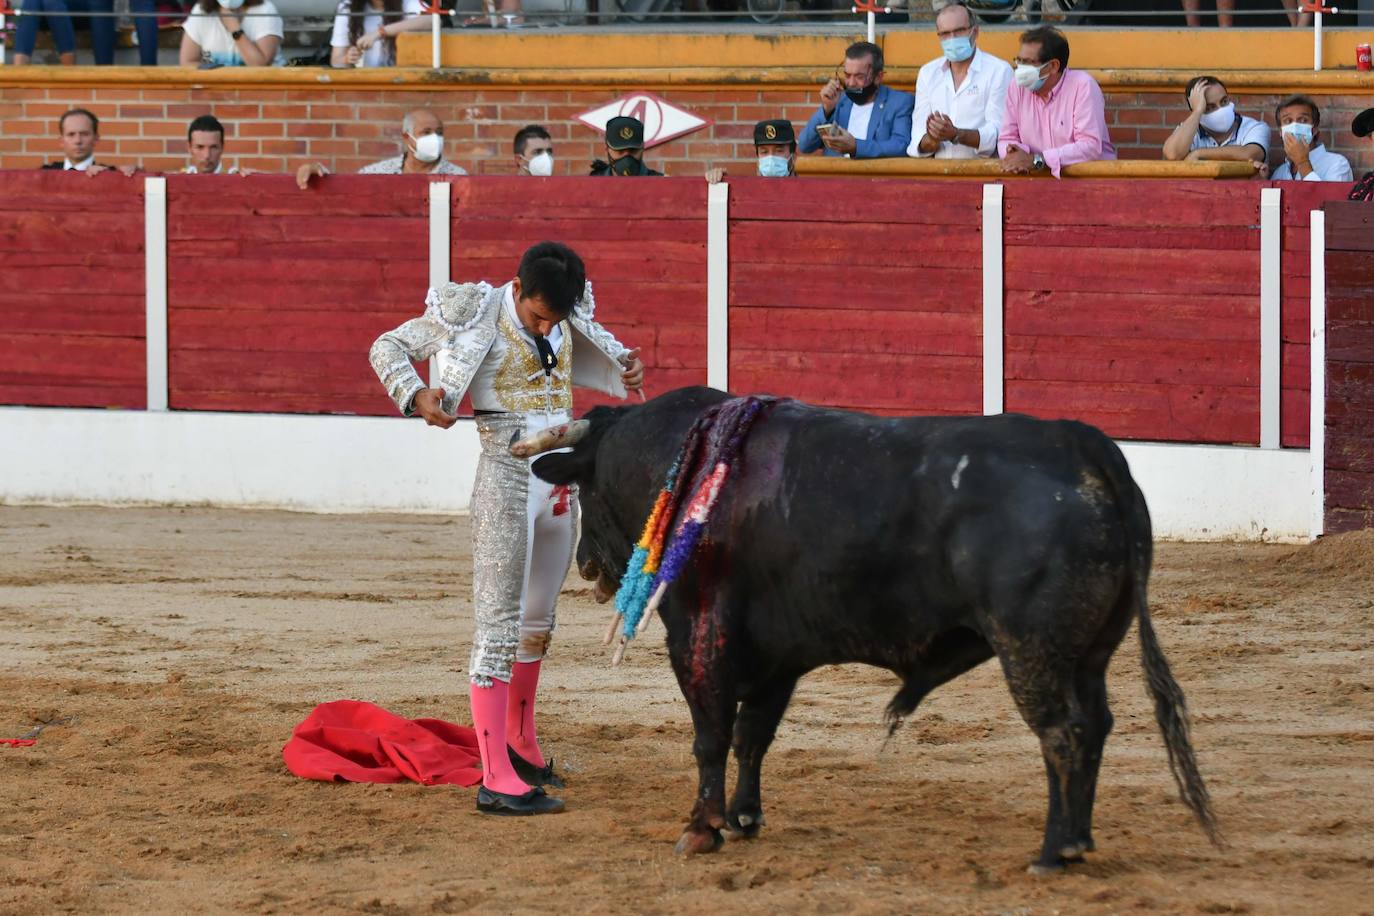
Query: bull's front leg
x=708 y=686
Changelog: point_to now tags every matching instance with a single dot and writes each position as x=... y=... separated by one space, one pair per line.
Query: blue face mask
x=958 y=48
x=773 y=166
x=1302 y=131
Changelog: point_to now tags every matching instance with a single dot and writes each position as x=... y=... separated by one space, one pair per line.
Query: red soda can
x=1362 y=58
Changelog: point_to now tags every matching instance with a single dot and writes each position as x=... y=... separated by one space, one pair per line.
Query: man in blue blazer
x=859 y=116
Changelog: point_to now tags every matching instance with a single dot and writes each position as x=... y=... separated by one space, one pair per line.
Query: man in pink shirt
x=1055 y=116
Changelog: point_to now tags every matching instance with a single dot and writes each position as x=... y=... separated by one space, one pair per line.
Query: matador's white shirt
x=482 y=346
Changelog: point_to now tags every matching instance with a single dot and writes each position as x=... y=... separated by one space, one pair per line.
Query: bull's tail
x=1171 y=713
x=1171 y=709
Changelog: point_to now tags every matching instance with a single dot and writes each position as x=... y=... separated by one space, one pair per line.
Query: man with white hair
x=422 y=152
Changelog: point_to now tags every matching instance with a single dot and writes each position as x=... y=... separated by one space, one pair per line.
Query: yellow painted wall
x=1194 y=51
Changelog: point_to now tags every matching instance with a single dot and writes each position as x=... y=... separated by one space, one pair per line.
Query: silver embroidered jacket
x=461 y=318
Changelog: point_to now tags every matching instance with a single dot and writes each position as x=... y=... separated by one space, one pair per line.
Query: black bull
x=925 y=546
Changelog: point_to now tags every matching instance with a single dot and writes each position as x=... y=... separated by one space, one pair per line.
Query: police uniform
x=623 y=132
x=778 y=130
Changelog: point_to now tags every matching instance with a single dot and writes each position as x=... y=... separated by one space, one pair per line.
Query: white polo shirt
x=1245 y=130
x=1326 y=166
x=978 y=104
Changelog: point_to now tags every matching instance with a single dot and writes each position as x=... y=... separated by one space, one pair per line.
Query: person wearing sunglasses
x=1055 y=116
x=858 y=115
x=1215 y=131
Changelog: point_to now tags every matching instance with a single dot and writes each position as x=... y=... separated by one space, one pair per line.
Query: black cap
x=624 y=132
x=778 y=130
x=1364 y=123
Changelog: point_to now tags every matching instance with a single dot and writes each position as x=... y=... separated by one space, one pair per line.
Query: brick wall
x=276 y=129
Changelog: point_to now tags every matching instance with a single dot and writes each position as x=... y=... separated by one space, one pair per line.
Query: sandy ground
x=188 y=642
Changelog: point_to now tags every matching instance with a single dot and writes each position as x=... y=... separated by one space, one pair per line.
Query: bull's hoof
x=741 y=825
x=1044 y=869
x=698 y=842
x=1073 y=852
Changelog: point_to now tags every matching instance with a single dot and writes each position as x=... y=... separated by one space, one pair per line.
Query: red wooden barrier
x=1349 y=366
x=644 y=244
x=275 y=294
x=71 y=290
x=863 y=294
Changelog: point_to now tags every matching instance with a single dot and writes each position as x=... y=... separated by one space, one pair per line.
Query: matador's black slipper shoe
x=533 y=775
x=535 y=801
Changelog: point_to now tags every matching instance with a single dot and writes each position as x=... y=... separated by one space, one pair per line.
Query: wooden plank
x=648 y=250
x=277 y=195
x=1350 y=490
x=1295 y=418
x=1350 y=451
x=1072 y=313
x=1191 y=238
x=1127 y=203
x=879 y=287
x=521 y=232
x=39 y=191
x=585 y=198
x=106 y=395
x=96 y=359
x=843 y=200
x=1300 y=198
x=1131 y=270
x=848 y=247
x=344 y=230
x=259 y=330
x=1344 y=306
x=911 y=382
x=302 y=402
x=1167 y=413
x=1155 y=362
x=855 y=332
x=45 y=230
x=96 y=316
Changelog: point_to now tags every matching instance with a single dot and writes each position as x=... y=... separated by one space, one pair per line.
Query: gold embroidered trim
x=520 y=383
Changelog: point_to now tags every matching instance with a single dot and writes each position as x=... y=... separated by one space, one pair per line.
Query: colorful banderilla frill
x=707 y=457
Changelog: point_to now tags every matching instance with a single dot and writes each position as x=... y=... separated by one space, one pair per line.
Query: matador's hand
x=429 y=403
x=633 y=374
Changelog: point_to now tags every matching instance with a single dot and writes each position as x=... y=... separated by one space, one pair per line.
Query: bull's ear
x=562 y=468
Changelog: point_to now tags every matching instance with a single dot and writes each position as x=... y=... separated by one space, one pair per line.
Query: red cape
x=349 y=741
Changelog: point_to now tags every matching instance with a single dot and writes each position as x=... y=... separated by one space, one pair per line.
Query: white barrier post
x=1271 y=301
x=1317 y=430
x=993 y=352
x=439 y=256
x=434 y=40
x=718 y=286
x=155 y=289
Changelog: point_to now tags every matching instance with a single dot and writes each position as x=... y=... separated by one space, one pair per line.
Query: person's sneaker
x=533 y=775
x=535 y=801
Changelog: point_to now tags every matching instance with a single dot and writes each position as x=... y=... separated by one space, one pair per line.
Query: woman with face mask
x=1215 y=131
x=218 y=33
x=365 y=31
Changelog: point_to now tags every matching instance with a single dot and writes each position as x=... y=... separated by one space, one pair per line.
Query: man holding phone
x=858 y=115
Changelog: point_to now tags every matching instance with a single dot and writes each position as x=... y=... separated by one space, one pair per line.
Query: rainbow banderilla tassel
x=714 y=441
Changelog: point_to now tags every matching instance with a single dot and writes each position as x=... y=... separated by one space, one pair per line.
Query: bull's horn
x=564 y=435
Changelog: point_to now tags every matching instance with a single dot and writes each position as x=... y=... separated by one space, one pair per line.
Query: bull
x=923 y=545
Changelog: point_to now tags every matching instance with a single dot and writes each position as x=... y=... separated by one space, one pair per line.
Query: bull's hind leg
x=709 y=689
x=756 y=724
x=1068 y=713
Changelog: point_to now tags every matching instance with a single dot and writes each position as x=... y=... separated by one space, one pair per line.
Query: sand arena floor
x=188 y=642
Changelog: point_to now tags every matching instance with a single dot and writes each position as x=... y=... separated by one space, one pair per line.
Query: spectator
x=1363 y=127
x=365 y=31
x=205 y=144
x=1225 y=9
x=1214 y=130
x=624 y=149
x=1305 y=158
x=775 y=147
x=1055 y=116
x=422 y=152
x=232 y=33
x=859 y=116
x=533 y=151
x=961 y=95
x=80 y=132
x=58 y=13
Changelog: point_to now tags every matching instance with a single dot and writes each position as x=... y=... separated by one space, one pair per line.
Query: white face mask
x=429 y=147
x=1221 y=119
x=542 y=165
x=231 y=4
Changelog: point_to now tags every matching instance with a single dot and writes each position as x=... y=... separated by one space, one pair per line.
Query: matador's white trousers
x=523 y=533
